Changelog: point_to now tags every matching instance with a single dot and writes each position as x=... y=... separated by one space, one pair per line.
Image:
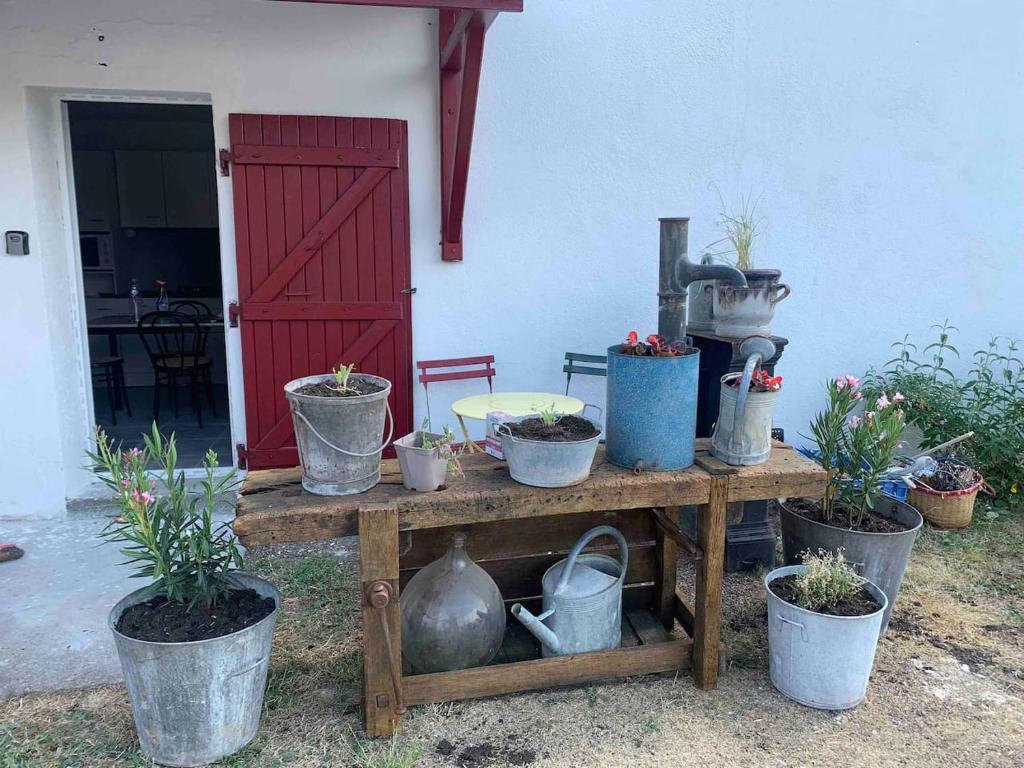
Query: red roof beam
x=514 y=6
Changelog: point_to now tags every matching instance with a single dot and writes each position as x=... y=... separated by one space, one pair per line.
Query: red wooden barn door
x=322 y=244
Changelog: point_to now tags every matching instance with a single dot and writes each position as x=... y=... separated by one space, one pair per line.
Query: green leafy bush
x=166 y=533
x=827 y=579
x=989 y=401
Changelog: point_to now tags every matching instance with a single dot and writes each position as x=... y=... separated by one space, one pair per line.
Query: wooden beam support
x=512 y=6
x=451 y=43
x=708 y=609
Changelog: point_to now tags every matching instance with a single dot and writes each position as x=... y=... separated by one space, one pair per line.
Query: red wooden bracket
x=460 y=56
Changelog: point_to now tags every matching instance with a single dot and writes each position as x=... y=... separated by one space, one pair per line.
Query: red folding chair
x=480 y=367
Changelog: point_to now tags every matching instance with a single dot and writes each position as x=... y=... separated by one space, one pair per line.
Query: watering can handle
x=329 y=444
x=586 y=538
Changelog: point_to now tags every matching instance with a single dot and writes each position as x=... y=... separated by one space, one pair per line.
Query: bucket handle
x=586 y=538
x=597 y=408
x=329 y=444
x=785 y=292
x=803 y=629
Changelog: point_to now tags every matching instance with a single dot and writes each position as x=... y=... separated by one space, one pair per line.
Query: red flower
x=632 y=338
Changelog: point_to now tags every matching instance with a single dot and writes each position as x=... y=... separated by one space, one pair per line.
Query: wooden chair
x=172 y=343
x=480 y=367
x=198 y=312
x=571 y=367
x=108 y=370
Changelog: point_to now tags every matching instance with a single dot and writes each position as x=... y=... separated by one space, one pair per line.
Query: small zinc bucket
x=946 y=509
x=544 y=464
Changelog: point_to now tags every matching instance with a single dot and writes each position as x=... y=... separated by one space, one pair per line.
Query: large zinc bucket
x=197 y=702
x=340 y=439
x=818 y=660
x=881 y=558
x=546 y=464
x=744 y=439
x=652 y=410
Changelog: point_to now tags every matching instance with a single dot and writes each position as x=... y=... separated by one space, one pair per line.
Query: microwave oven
x=97 y=251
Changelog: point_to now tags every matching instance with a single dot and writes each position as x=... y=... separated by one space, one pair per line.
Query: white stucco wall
x=883 y=138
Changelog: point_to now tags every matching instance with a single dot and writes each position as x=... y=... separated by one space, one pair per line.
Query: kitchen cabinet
x=140 y=188
x=95 y=190
x=188 y=179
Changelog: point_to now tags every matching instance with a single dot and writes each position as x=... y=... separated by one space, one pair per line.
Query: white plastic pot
x=423 y=469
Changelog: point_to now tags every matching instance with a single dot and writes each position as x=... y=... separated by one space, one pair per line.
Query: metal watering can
x=582 y=600
x=742 y=434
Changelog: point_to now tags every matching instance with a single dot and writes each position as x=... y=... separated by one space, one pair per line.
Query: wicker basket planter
x=945 y=509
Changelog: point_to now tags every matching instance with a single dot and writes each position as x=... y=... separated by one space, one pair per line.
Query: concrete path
x=54 y=603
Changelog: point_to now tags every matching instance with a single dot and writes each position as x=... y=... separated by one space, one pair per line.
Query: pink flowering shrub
x=856 y=451
x=165 y=532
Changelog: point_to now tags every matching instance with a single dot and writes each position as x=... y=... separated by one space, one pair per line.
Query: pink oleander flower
x=853 y=381
x=855 y=422
x=147 y=497
x=841 y=382
x=859 y=396
x=882 y=402
x=135 y=495
x=125 y=482
x=898 y=398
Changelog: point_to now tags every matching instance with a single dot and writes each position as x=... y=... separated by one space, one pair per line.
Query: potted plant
x=823 y=628
x=549 y=449
x=945 y=495
x=652 y=404
x=876 y=531
x=737 y=311
x=195 y=643
x=426 y=458
x=339 y=429
x=743 y=430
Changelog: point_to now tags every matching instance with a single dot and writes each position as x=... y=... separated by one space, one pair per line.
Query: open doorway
x=144 y=181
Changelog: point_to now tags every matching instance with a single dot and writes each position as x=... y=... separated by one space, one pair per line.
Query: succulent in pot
x=339 y=429
x=823 y=627
x=859 y=452
x=652 y=403
x=195 y=643
x=426 y=459
x=550 y=449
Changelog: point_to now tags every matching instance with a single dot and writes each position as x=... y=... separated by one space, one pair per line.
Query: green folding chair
x=598 y=366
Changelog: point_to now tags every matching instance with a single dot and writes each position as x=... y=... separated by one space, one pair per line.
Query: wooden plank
x=520 y=577
x=286 y=513
x=683 y=613
x=456 y=204
x=545 y=535
x=670 y=528
x=359 y=157
x=548 y=673
x=708 y=606
x=648 y=627
x=339 y=310
x=513 y=6
x=378 y=561
x=666 y=553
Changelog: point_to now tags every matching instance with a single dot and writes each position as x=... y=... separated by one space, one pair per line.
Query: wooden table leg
x=666 y=555
x=708 y=605
x=382 y=665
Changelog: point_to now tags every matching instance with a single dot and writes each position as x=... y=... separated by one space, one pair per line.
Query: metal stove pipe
x=676 y=271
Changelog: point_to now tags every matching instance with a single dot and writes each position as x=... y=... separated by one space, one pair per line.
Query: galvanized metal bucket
x=881 y=558
x=423 y=469
x=743 y=431
x=197 y=702
x=818 y=660
x=340 y=439
x=652 y=411
x=582 y=600
x=546 y=464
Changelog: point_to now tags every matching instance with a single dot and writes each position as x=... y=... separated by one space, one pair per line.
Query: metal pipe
x=676 y=271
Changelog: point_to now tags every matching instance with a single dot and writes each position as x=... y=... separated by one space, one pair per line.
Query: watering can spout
x=537 y=627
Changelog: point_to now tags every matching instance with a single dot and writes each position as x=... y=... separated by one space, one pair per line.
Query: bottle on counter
x=134 y=294
x=163 y=302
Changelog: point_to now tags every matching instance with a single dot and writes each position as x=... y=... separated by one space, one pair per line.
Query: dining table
x=113 y=326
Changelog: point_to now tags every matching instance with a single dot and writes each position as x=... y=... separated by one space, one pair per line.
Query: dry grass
x=947 y=685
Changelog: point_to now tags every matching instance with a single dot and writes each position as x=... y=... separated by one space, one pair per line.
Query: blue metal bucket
x=652 y=411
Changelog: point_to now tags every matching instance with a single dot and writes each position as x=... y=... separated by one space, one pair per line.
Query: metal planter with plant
x=339 y=429
x=652 y=404
x=741 y=311
x=823 y=627
x=550 y=449
x=875 y=531
x=743 y=430
x=426 y=459
x=195 y=643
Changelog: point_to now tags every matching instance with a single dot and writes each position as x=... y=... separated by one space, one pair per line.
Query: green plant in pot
x=737 y=311
x=875 y=531
x=823 y=627
x=194 y=644
x=548 y=449
x=427 y=459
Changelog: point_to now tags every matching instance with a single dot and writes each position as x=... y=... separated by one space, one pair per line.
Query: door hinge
x=234 y=312
x=243 y=454
x=224 y=161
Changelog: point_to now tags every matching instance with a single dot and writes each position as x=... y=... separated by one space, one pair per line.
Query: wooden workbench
x=515 y=532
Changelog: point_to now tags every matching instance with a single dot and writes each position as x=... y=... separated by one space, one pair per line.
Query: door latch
x=408 y=290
